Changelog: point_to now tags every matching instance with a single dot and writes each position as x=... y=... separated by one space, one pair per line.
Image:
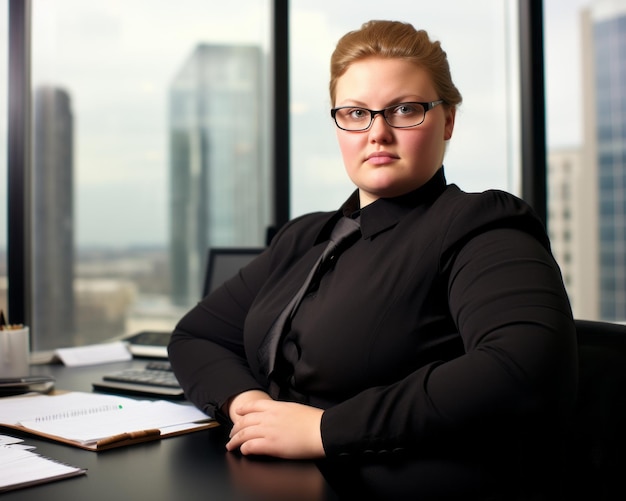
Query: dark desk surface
x=185 y=468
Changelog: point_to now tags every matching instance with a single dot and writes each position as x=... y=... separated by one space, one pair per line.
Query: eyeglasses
x=400 y=116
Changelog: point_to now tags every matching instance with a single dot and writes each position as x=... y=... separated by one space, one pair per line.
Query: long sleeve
x=448 y=319
x=207 y=349
x=507 y=301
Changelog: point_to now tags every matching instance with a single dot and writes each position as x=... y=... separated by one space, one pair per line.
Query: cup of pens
x=14 y=349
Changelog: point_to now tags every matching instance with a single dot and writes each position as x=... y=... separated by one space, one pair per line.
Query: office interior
x=137 y=135
x=132 y=152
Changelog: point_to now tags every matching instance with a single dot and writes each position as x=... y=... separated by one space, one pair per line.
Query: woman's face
x=384 y=161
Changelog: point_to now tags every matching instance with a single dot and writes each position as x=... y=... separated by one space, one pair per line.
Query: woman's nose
x=380 y=130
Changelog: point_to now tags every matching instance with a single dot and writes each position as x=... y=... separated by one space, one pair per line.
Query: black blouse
x=447 y=319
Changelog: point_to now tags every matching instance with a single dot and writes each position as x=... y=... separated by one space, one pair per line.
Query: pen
x=133 y=435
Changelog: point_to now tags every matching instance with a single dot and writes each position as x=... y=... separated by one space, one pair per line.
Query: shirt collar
x=385 y=213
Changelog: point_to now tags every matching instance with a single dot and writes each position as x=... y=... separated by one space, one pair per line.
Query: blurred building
x=572 y=217
x=604 y=101
x=53 y=215
x=103 y=307
x=218 y=164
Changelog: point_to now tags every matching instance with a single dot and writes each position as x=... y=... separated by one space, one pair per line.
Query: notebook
x=152 y=344
x=96 y=422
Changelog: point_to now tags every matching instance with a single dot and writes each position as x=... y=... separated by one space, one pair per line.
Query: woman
x=443 y=335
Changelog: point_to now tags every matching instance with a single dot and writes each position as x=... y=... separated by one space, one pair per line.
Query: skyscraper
x=53 y=226
x=604 y=67
x=571 y=218
x=218 y=166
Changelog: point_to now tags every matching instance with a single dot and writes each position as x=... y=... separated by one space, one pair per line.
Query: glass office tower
x=53 y=221
x=218 y=171
x=608 y=90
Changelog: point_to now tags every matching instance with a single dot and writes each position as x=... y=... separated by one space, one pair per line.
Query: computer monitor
x=224 y=262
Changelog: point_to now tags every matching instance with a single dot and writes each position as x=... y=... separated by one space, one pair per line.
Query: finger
x=256 y=446
x=234 y=442
x=245 y=442
x=242 y=432
x=245 y=421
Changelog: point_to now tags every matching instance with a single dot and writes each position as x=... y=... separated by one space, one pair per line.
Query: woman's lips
x=381 y=158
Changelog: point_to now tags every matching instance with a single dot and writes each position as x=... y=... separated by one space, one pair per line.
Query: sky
x=563 y=72
x=117 y=59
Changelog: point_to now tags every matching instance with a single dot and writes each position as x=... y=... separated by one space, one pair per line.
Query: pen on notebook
x=133 y=435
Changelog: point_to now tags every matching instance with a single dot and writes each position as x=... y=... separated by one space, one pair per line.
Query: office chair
x=594 y=455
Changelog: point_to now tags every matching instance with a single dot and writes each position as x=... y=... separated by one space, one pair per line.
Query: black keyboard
x=155 y=379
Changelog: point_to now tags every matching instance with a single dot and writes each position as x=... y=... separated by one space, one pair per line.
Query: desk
x=196 y=466
x=185 y=468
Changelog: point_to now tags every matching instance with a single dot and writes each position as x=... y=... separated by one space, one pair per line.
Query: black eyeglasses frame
x=429 y=105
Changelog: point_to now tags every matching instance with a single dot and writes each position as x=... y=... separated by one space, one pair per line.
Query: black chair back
x=595 y=446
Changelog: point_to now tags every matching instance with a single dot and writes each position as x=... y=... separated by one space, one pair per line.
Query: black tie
x=344 y=228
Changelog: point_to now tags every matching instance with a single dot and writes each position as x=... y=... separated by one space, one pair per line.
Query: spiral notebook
x=98 y=422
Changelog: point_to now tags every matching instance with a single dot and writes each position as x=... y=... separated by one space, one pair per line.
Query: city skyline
x=124 y=183
x=139 y=174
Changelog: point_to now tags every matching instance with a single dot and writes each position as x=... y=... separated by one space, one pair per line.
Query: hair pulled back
x=394 y=40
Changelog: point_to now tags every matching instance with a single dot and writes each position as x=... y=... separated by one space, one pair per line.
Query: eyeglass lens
x=400 y=115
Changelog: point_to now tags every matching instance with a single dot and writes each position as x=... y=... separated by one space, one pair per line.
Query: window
x=484 y=150
x=150 y=144
x=151 y=141
x=585 y=92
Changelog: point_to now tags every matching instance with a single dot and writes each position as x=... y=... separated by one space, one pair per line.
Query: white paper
x=94 y=354
x=8 y=440
x=88 y=417
x=25 y=408
x=19 y=466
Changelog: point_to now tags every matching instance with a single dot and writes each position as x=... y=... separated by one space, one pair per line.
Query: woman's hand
x=282 y=429
x=242 y=399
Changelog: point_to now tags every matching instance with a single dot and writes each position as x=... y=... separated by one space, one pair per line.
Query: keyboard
x=154 y=379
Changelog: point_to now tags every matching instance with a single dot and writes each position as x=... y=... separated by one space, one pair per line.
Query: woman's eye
x=405 y=109
x=358 y=113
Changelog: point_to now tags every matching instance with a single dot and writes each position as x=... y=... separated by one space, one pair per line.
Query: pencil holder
x=14 y=352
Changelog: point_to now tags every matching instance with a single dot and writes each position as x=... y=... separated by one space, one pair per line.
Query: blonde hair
x=394 y=40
